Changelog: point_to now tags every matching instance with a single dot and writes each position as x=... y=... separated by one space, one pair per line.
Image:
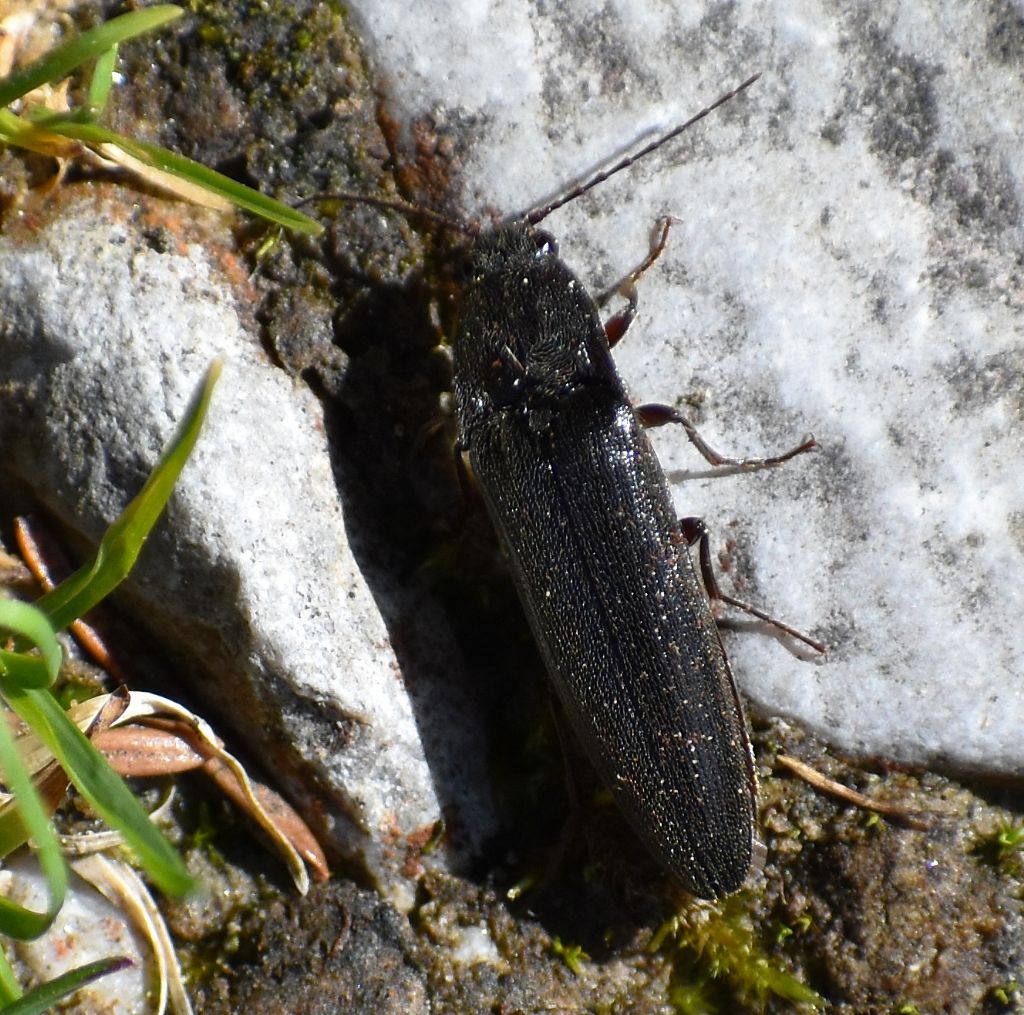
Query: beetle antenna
x=535 y=216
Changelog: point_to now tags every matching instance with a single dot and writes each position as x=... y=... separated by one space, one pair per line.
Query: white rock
x=847 y=262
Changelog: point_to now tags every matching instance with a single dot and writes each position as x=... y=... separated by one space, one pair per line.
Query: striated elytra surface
x=580 y=501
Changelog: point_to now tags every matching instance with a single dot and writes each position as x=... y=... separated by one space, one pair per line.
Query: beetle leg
x=617 y=325
x=652 y=415
x=695 y=531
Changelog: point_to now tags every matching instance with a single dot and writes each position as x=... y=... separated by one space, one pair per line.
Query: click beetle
x=600 y=562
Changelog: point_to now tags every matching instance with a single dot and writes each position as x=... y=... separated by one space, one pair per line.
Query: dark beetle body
x=582 y=506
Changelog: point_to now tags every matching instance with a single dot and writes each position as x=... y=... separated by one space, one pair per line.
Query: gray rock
x=104 y=341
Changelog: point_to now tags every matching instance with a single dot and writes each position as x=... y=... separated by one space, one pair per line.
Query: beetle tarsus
x=696 y=531
x=652 y=415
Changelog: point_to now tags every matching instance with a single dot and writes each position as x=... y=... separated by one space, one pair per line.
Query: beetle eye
x=546 y=245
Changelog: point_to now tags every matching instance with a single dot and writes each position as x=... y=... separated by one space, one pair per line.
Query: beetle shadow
x=429 y=558
x=765 y=629
x=712 y=472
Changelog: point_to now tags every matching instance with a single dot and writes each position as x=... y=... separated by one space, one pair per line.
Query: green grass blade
x=15 y=130
x=63 y=59
x=24 y=670
x=120 y=546
x=42 y=998
x=101 y=82
x=32 y=624
x=12 y=829
x=16 y=921
x=186 y=169
x=10 y=989
x=101 y=786
x=11 y=127
x=114 y=558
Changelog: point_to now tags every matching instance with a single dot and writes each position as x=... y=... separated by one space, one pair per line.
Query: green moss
x=715 y=946
x=1003 y=847
x=1006 y=994
x=265 y=42
x=204 y=835
x=572 y=955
